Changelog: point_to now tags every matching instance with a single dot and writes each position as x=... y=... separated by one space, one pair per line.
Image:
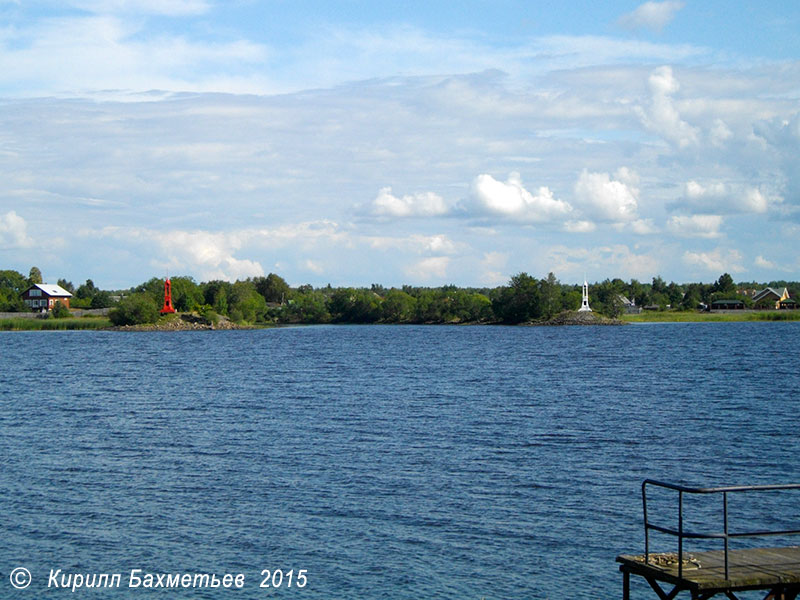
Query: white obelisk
x=585 y=299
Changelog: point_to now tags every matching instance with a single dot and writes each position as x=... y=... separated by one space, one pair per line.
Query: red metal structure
x=168 y=308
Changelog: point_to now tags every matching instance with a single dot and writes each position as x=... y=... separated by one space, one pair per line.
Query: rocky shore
x=573 y=317
x=184 y=322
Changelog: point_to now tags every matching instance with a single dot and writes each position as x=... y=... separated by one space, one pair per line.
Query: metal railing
x=726 y=535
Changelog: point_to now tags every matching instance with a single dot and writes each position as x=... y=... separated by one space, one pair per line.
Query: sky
x=422 y=143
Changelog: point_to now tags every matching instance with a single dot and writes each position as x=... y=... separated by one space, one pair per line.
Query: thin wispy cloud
x=173 y=8
x=651 y=15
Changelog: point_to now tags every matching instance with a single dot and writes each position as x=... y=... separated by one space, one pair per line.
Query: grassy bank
x=703 y=317
x=23 y=324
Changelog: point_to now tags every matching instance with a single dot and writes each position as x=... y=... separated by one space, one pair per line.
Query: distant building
x=727 y=305
x=770 y=297
x=43 y=296
x=629 y=306
x=788 y=304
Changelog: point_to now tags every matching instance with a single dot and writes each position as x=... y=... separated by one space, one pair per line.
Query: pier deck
x=727 y=571
x=775 y=570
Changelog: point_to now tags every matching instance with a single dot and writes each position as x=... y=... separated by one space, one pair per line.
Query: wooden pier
x=775 y=570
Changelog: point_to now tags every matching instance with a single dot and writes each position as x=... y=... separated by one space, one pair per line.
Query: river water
x=398 y=462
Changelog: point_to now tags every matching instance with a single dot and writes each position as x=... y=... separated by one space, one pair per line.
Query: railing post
x=646 y=527
x=680 y=533
x=725 y=522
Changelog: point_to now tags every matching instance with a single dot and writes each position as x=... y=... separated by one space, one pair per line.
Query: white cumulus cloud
x=313 y=266
x=662 y=116
x=510 y=199
x=717 y=197
x=715 y=261
x=651 y=15
x=580 y=261
x=212 y=253
x=720 y=133
x=417 y=243
x=434 y=267
x=14 y=231
x=702 y=226
x=639 y=227
x=426 y=204
x=607 y=199
x=764 y=263
x=494 y=265
x=579 y=226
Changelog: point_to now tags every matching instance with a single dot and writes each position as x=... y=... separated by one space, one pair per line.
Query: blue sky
x=419 y=142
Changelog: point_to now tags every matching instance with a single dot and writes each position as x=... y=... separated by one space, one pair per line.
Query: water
x=388 y=462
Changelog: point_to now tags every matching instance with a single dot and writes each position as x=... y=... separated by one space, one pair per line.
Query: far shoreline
x=32 y=323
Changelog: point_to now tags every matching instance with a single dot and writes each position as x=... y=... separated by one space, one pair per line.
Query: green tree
x=245 y=304
x=186 y=294
x=67 y=285
x=136 y=309
x=101 y=299
x=13 y=280
x=550 y=295
x=34 y=276
x=429 y=306
x=520 y=301
x=572 y=298
x=659 y=285
x=674 y=294
x=306 y=307
x=605 y=297
x=86 y=290
x=692 y=298
x=88 y=295
x=216 y=295
x=153 y=287
x=12 y=284
x=465 y=306
x=273 y=288
x=725 y=285
x=348 y=305
x=638 y=293
x=398 y=307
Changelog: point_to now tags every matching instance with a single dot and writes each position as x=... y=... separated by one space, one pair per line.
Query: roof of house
x=767 y=291
x=51 y=289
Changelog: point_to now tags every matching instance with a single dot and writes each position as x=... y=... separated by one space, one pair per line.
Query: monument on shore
x=168 y=308
x=585 y=298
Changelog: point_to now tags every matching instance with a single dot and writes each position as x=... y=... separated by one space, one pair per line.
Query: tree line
x=263 y=300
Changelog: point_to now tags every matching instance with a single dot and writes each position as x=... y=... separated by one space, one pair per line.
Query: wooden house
x=770 y=297
x=43 y=296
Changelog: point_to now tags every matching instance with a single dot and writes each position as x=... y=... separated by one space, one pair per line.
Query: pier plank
x=753 y=568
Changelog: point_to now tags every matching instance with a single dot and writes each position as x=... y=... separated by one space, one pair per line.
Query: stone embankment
x=183 y=322
x=574 y=317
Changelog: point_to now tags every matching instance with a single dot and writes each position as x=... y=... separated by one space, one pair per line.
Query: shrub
x=60 y=311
